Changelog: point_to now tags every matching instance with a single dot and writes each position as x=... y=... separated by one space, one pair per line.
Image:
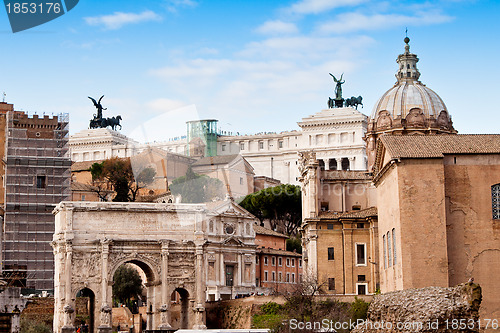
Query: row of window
x=361 y=288
x=290 y=277
x=390 y=253
x=289 y=262
x=360 y=249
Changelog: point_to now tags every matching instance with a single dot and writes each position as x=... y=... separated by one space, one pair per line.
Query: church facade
x=430 y=198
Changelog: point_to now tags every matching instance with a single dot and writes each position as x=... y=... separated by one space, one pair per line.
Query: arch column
x=351 y=163
x=165 y=299
x=68 y=306
x=105 y=326
x=327 y=163
x=199 y=308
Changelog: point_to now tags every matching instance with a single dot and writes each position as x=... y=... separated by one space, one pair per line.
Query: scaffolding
x=37 y=176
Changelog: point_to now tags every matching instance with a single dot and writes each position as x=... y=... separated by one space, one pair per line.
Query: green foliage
x=359 y=309
x=280 y=204
x=127 y=283
x=294 y=244
x=34 y=326
x=118 y=174
x=271 y=308
x=194 y=188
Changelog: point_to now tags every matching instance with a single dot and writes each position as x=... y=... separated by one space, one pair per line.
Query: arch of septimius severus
x=180 y=247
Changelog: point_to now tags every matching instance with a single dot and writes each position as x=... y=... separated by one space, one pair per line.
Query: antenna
x=406 y=31
x=4 y=95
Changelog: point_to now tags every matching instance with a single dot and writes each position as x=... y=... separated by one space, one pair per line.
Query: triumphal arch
x=188 y=248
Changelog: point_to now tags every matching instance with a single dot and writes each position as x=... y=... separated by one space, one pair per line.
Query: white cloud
x=273 y=74
x=119 y=19
x=349 y=22
x=277 y=27
x=165 y=104
x=318 y=6
x=172 y=5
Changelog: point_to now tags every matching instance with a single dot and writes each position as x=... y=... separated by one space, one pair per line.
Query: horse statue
x=114 y=122
x=354 y=101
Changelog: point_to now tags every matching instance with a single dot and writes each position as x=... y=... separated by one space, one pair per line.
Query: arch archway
x=180 y=310
x=88 y=293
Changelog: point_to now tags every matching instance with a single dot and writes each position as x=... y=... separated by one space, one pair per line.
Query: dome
x=409 y=104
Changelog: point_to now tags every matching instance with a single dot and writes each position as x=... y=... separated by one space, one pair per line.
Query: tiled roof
x=265 y=250
x=265 y=231
x=435 y=146
x=83 y=166
x=372 y=211
x=213 y=160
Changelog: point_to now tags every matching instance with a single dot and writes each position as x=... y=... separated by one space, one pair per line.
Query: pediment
x=231 y=240
x=231 y=209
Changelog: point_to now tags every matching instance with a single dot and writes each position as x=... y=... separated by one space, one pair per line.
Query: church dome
x=409 y=104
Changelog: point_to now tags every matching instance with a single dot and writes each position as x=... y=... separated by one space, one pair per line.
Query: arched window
x=495 y=201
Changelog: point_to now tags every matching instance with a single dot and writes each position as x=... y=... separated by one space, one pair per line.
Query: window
x=361 y=225
x=385 y=252
x=287 y=262
x=265 y=260
x=274 y=276
x=261 y=145
x=293 y=277
x=394 y=245
x=331 y=255
x=361 y=254
x=389 y=253
x=280 y=263
x=287 y=277
x=242 y=146
x=40 y=181
x=223 y=147
x=273 y=261
x=361 y=278
x=331 y=284
x=83 y=197
x=229 y=275
x=280 y=144
x=265 y=276
x=280 y=277
x=257 y=260
x=293 y=262
x=300 y=263
x=361 y=288
x=495 y=201
x=329 y=226
x=241 y=180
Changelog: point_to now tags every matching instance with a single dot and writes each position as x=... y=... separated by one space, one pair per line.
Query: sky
x=256 y=66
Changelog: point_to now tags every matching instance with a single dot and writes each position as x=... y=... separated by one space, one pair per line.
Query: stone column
x=105 y=326
x=165 y=300
x=339 y=163
x=199 y=308
x=327 y=163
x=351 y=163
x=68 y=307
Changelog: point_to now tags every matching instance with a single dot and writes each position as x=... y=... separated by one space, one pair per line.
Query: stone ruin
x=431 y=309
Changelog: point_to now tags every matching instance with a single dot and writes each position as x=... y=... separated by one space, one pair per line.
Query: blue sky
x=254 y=65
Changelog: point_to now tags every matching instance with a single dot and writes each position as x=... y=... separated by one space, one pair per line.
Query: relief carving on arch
x=384 y=120
x=415 y=118
x=86 y=265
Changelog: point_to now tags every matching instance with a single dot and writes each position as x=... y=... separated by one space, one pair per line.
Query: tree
x=118 y=174
x=280 y=204
x=127 y=283
x=195 y=188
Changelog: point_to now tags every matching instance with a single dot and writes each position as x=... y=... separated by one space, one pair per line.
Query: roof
x=268 y=232
x=436 y=146
x=83 y=166
x=265 y=250
x=213 y=160
x=364 y=213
